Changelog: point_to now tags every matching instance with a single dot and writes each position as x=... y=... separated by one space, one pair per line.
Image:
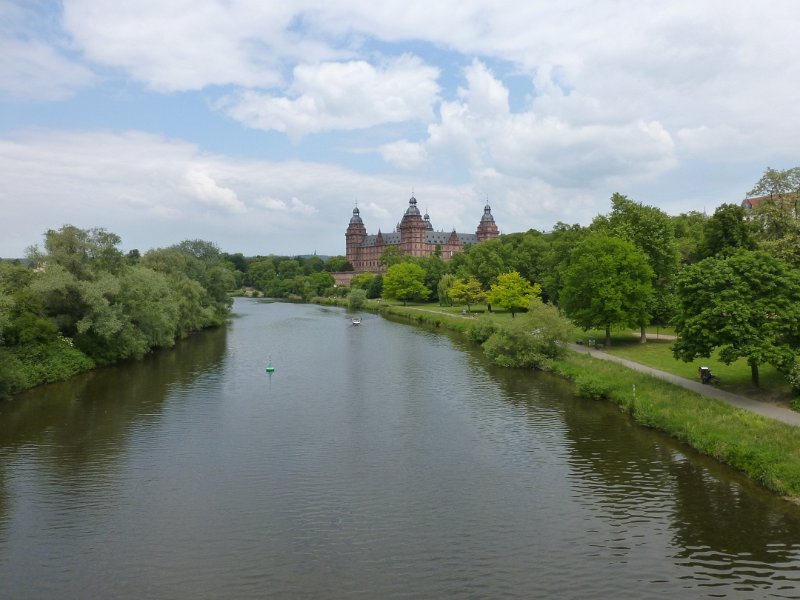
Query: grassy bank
x=766 y=450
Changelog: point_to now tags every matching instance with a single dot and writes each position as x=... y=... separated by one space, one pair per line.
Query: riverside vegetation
x=81 y=303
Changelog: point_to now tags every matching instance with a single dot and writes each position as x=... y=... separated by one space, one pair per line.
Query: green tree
x=689 y=234
x=357 y=299
x=744 y=306
x=561 y=241
x=467 y=291
x=608 y=283
x=726 y=232
x=362 y=281
x=391 y=255
x=375 y=289
x=652 y=231
x=484 y=261
x=288 y=268
x=513 y=292
x=405 y=281
x=435 y=268
x=336 y=264
x=320 y=282
x=443 y=289
x=778 y=185
x=262 y=273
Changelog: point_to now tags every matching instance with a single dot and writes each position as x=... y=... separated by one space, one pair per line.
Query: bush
x=592 y=388
x=357 y=299
x=530 y=341
x=482 y=329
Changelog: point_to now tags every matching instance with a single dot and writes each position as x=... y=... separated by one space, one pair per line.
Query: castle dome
x=487 y=213
x=356 y=218
x=412 y=207
x=428 y=225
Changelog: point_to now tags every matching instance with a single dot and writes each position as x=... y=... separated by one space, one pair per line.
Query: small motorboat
x=356 y=321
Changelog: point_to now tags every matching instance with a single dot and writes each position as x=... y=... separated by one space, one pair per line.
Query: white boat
x=356 y=321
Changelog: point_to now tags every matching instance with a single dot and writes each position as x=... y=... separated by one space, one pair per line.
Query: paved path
x=762 y=408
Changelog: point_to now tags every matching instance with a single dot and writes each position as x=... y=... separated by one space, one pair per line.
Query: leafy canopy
x=608 y=283
x=513 y=292
x=405 y=281
x=743 y=306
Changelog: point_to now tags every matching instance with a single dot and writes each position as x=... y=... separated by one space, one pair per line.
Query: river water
x=379 y=461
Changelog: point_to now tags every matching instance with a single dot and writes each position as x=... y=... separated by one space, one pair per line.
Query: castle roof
x=356 y=218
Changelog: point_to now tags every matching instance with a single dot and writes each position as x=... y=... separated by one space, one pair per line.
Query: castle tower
x=487 y=228
x=356 y=232
x=412 y=231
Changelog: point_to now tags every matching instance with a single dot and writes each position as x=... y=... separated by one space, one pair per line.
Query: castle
x=414 y=236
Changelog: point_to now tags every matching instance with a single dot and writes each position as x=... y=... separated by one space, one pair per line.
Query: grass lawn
x=734 y=378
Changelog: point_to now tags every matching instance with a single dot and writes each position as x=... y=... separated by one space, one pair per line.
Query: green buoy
x=270 y=368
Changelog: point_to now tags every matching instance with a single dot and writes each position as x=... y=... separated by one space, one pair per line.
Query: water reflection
x=723 y=535
x=72 y=424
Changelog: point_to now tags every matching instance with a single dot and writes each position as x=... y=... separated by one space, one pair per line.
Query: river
x=378 y=461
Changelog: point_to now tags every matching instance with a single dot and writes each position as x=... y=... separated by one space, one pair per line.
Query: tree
x=467 y=291
x=392 y=255
x=443 y=289
x=778 y=185
x=725 y=232
x=561 y=241
x=513 y=292
x=608 y=282
x=337 y=263
x=404 y=281
x=688 y=234
x=320 y=281
x=744 y=306
x=652 y=231
x=435 y=268
x=357 y=299
x=82 y=252
x=484 y=261
x=262 y=273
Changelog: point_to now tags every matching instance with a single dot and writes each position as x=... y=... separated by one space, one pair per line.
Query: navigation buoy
x=270 y=368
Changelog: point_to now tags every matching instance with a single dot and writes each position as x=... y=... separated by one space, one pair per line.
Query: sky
x=259 y=126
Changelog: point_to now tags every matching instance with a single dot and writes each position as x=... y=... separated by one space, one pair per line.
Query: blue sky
x=258 y=125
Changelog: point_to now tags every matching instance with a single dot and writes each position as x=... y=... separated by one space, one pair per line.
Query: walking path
x=762 y=408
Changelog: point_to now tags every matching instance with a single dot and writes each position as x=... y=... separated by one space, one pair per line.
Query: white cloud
x=349 y=95
x=203 y=187
x=403 y=154
x=482 y=132
x=185 y=45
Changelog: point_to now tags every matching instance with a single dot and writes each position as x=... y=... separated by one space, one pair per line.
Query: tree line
x=729 y=283
x=79 y=302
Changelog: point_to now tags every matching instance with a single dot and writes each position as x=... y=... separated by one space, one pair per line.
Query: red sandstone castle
x=413 y=236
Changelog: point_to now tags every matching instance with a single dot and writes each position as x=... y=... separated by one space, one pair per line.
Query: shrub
x=530 y=341
x=592 y=388
x=482 y=329
x=357 y=299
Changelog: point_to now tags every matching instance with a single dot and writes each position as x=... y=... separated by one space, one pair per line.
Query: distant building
x=787 y=203
x=414 y=235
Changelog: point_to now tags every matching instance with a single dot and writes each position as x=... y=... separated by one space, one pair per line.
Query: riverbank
x=761 y=447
